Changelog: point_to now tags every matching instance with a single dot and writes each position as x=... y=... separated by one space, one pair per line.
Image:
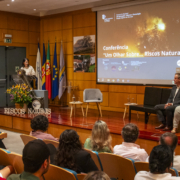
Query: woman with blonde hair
x=100 y=139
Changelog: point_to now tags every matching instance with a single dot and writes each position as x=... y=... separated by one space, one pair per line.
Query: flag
x=48 y=73
x=55 y=76
x=62 y=74
x=38 y=70
x=44 y=69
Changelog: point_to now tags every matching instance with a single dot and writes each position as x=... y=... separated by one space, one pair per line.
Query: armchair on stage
x=93 y=96
x=40 y=97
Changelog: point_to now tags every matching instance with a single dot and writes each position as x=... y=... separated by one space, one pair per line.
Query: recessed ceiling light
x=12 y=0
x=34 y=9
x=8 y=4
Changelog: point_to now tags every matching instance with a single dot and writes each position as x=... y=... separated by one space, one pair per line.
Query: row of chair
x=115 y=166
x=54 y=172
x=119 y=167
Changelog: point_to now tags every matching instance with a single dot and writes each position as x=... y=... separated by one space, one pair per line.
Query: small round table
x=126 y=107
x=73 y=106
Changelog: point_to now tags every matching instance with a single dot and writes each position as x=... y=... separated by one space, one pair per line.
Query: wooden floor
x=60 y=120
x=114 y=120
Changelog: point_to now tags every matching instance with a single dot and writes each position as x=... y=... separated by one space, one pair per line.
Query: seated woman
x=100 y=139
x=71 y=155
x=160 y=161
x=39 y=125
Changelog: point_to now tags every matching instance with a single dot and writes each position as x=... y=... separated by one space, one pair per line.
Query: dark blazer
x=84 y=162
x=176 y=99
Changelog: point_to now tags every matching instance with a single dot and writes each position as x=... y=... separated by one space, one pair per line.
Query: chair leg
x=82 y=110
x=87 y=109
x=71 y=110
x=99 y=109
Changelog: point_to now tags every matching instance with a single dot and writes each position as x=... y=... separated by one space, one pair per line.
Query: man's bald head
x=169 y=139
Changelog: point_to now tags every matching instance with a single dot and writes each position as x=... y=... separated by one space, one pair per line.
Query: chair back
x=17 y=162
x=81 y=176
x=57 y=173
x=165 y=95
x=96 y=159
x=173 y=172
x=152 y=96
x=4 y=160
x=141 y=166
x=55 y=143
x=26 y=138
x=117 y=167
x=93 y=95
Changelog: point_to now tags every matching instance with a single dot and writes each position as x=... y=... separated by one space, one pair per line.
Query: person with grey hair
x=128 y=148
x=97 y=175
x=171 y=140
x=165 y=111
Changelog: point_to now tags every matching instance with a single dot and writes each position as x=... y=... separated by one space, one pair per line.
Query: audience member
x=100 y=139
x=128 y=148
x=160 y=161
x=36 y=159
x=97 y=175
x=71 y=155
x=6 y=171
x=171 y=140
x=39 y=125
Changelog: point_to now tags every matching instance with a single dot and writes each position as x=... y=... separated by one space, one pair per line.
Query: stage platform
x=60 y=120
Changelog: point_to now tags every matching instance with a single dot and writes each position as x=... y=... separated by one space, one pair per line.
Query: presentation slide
x=139 y=44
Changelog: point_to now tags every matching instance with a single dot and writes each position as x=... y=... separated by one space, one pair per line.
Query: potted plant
x=20 y=94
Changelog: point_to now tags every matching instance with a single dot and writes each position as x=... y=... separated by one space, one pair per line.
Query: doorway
x=10 y=61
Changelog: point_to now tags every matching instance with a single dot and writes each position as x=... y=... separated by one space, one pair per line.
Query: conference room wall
x=25 y=31
x=63 y=27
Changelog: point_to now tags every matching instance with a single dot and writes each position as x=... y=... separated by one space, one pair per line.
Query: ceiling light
x=12 y=0
x=34 y=9
x=8 y=4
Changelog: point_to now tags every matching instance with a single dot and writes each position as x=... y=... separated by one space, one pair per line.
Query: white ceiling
x=47 y=7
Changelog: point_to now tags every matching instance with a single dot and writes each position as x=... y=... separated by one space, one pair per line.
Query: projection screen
x=139 y=44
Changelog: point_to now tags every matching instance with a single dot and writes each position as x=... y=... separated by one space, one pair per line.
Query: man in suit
x=165 y=111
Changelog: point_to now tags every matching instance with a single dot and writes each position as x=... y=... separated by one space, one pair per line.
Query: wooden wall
x=25 y=30
x=63 y=27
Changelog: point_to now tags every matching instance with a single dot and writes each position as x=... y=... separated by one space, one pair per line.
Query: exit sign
x=7 y=40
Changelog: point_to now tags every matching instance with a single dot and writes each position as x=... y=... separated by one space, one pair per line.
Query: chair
x=144 y=166
x=55 y=143
x=96 y=159
x=4 y=160
x=141 y=166
x=93 y=96
x=81 y=176
x=57 y=173
x=26 y=138
x=173 y=171
x=117 y=167
x=17 y=162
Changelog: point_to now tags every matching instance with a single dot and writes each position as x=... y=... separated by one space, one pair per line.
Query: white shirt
x=177 y=89
x=144 y=175
x=176 y=163
x=131 y=150
x=29 y=71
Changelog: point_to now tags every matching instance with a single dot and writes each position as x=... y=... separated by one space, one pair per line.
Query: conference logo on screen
x=178 y=62
x=106 y=19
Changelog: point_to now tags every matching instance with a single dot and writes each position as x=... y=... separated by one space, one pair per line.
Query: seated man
x=165 y=111
x=128 y=148
x=36 y=159
x=171 y=140
x=160 y=161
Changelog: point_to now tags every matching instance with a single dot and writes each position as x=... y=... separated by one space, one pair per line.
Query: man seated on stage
x=171 y=140
x=165 y=111
x=128 y=148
